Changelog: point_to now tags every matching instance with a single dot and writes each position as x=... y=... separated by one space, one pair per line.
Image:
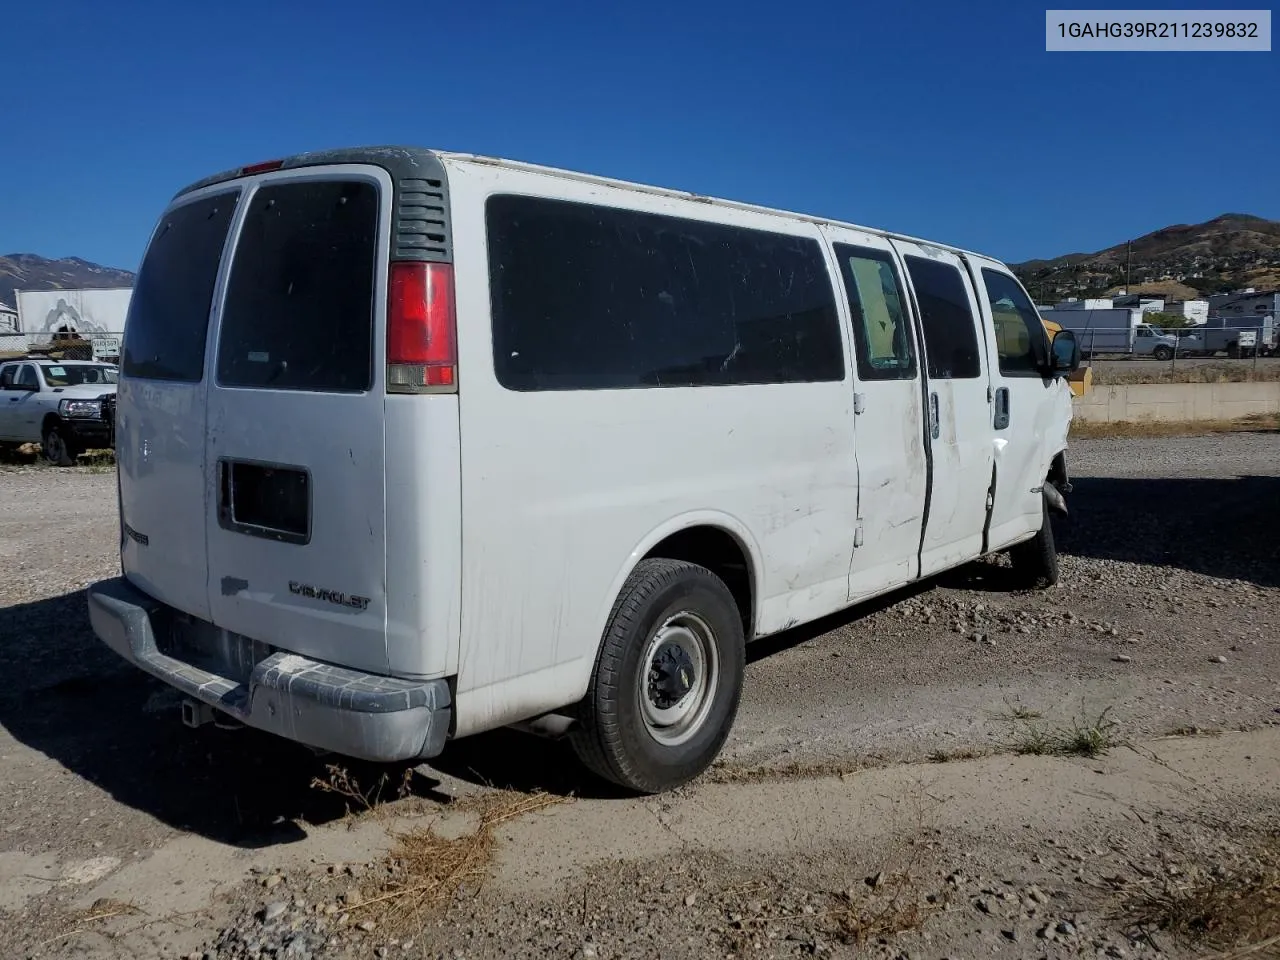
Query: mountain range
x=26 y=271
x=1184 y=260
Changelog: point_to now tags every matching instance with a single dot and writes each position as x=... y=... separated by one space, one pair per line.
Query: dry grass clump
x=895 y=906
x=426 y=871
x=1086 y=429
x=1237 y=371
x=1236 y=910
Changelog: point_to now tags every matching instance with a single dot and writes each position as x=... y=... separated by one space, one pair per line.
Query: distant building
x=8 y=318
x=1091 y=303
x=1247 y=303
x=1147 y=304
x=1196 y=311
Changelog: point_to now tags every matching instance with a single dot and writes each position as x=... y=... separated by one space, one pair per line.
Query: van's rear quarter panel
x=560 y=489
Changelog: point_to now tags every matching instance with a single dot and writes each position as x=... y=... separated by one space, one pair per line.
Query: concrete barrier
x=1176 y=401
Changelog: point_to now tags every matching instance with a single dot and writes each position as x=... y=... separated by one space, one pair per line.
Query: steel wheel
x=55 y=448
x=678 y=681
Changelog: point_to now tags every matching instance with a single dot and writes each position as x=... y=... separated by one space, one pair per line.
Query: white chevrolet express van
x=413 y=445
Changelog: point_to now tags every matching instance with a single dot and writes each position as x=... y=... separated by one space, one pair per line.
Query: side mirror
x=1064 y=353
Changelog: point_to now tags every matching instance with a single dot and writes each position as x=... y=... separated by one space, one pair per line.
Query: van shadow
x=70 y=698
x=1225 y=527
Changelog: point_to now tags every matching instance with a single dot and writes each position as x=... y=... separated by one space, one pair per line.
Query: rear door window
x=7 y=375
x=298 y=313
x=169 y=309
x=950 y=338
x=880 y=323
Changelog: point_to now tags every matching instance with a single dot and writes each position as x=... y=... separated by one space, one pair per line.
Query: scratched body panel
x=563 y=491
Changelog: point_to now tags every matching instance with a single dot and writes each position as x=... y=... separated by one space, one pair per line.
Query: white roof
x=686 y=195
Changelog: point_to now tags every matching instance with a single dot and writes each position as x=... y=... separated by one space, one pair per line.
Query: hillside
x=26 y=271
x=1231 y=251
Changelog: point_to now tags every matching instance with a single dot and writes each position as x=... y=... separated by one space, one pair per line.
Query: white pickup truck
x=66 y=406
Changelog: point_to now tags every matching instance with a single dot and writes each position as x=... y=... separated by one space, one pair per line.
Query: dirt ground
x=955 y=771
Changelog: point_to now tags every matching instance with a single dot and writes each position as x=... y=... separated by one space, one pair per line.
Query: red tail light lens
x=421 y=328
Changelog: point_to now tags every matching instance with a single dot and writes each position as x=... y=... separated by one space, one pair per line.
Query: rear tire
x=58 y=447
x=667 y=680
x=1035 y=561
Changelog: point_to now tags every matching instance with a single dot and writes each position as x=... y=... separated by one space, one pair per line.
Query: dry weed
x=104 y=908
x=426 y=871
x=341 y=782
x=1235 y=910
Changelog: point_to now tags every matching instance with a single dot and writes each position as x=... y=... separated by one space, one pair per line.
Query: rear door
x=889 y=414
x=295 y=518
x=160 y=402
x=958 y=406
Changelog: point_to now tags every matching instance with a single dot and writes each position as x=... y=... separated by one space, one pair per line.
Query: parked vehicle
x=1115 y=332
x=1234 y=336
x=66 y=406
x=527 y=446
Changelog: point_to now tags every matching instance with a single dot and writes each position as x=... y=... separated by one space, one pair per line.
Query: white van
x=414 y=445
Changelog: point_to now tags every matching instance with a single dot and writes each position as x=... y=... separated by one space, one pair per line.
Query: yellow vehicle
x=1081 y=379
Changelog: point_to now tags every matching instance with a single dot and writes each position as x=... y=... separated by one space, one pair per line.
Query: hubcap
x=679 y=675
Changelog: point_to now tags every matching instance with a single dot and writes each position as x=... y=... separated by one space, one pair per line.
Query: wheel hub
x=671 y=676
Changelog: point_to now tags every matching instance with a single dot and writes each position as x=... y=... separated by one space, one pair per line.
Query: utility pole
x=1128 y=267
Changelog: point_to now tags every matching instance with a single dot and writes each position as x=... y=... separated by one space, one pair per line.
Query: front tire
x=57 y=447
x=667 y=681
x=1035 y=561
x=1163 y=353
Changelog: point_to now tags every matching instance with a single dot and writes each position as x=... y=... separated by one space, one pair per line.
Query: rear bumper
x=356 y=714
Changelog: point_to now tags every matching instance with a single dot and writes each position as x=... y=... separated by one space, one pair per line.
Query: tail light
x=422 y=345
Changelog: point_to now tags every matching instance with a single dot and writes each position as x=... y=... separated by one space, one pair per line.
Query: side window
x=950 y=338
x=882 y=338
x=169 y=310
x=7 y=375
x=27 y=377
x=587 y=297
x=1021 y=340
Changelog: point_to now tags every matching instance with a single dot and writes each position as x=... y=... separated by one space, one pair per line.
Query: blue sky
x=944 y=120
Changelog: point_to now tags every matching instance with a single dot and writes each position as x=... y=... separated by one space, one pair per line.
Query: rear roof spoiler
x=422 y=229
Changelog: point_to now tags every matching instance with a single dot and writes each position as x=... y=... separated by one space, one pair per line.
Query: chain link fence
x=104 y=347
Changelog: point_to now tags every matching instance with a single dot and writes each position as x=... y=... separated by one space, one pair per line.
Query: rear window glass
x=299 y=307
x=591 y=297
x=169 y=309
x=78 y=375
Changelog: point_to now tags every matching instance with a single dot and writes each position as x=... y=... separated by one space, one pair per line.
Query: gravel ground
x=1165 y=620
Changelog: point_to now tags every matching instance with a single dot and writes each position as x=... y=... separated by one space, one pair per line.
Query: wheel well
x=1058 y=471
x=719 y=552
x=50 y=419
